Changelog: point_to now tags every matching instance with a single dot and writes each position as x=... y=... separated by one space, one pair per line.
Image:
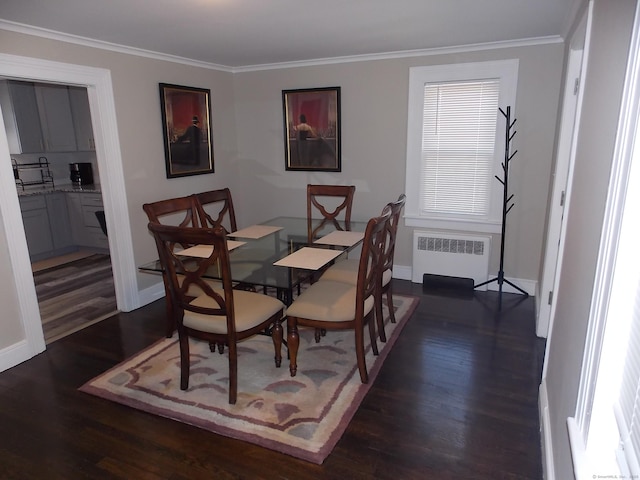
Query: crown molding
x=88 y=42
x=113 y=47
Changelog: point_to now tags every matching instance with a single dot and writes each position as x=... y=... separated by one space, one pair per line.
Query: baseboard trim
x=14 y=354
x=548 y=469
x=151 y=294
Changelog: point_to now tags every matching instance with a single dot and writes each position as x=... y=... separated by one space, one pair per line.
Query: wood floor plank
x=455 y=399
x=74 y=295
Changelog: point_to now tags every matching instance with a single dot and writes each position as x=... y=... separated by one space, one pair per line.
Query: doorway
x=102 y=106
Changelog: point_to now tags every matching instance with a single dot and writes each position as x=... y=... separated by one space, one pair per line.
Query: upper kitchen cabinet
x=21 y=117
x=81 y=118
x=56 y=119
x=37 y=117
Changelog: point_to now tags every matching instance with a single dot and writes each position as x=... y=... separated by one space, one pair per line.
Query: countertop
x=69 y=188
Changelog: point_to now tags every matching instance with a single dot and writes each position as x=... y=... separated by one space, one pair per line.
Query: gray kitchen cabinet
x=85 y=227
x=61 y=233
x=37 y=117
x=21 y=117
x=81 y=119
x=56 y=119
x=36 y=226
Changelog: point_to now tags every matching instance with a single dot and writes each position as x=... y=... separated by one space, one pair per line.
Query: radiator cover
x=453 y=255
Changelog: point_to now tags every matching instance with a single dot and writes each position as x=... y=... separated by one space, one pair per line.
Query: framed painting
x=312 y=129
x=186 y=123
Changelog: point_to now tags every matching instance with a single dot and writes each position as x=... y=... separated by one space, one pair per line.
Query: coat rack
x=507 y=203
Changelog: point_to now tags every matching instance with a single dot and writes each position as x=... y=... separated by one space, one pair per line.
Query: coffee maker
x=81 y=173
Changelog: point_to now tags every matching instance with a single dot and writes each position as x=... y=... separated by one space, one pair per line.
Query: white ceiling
x=243 y=33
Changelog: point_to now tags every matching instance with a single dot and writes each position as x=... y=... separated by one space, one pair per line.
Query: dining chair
x=219 y=315
x=346 y=271
x=334 y=203
x=221 y=203
x=331 y=305
x=180 y=211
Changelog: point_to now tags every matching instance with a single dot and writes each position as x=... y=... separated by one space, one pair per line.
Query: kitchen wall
x=59 y=164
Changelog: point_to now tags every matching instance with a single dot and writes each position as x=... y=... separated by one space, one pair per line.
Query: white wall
x=374 y=131
x=249 y=144
x=607 y=57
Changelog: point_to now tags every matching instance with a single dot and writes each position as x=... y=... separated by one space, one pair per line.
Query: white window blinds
x=627 y=408
x=458 y=143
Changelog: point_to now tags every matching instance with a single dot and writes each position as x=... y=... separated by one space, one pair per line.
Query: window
x=455 y=144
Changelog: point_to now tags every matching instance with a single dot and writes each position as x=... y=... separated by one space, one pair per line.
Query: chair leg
x=293 y=342
x=362 y=364
x=392 y=313
x=372 y=335
x=184 y=358
x=276 y=336
x=379 y=316
x=233 y=372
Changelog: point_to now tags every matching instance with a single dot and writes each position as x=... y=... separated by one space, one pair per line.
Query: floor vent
x=450 y=255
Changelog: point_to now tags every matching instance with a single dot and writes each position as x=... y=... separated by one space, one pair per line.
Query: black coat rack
x=507 y=203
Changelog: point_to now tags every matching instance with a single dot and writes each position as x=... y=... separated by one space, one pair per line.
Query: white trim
x=578 y=451
x=112 y=47
x=442 y=224
x=507 y=72
x=103 y=116
x=565 y=156
x=546 y=436
x=569 y=187
x=88 y=42
x=151 y=294
x=15 y=354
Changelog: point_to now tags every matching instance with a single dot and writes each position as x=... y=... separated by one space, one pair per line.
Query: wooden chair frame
x=192 y=270
x=366 y=287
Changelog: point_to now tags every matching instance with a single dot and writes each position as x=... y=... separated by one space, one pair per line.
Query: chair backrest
x=391 y=231
x=180 y=211
x=373 y=247
x=331 y=215
x=215 y=208
x=185 y=274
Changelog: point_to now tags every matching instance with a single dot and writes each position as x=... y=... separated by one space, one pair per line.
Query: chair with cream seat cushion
x=179 y=211
x=331 y=305
x=215 y=207
x=217 y=315
x=347 y=270
x=333 y=203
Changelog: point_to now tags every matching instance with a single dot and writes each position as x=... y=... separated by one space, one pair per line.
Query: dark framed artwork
x=186 y=122
x=312 y=129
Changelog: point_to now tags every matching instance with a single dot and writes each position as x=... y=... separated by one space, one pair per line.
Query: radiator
x=451 y=255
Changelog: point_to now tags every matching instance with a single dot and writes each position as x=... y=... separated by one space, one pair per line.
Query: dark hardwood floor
x=456 y=399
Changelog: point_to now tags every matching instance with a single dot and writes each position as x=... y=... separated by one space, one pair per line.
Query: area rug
x=302 y=416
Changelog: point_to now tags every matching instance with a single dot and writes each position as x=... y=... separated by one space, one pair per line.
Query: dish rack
x=42 y=165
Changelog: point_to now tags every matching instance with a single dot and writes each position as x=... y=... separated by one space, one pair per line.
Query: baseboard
x=14 y=354
x=151 y=294
x=548 y=470
x=402 y=272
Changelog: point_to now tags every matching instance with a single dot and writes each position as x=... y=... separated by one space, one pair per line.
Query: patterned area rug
x=303 y=416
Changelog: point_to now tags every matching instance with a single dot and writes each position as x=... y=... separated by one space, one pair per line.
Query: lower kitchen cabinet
x=85 y=228
x=36 y=226
x=57 y=223
x=59 y=220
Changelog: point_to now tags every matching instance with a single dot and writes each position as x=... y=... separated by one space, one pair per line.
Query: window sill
x=475 y=226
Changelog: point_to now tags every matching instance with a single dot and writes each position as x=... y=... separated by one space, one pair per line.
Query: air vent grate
x=451 y=245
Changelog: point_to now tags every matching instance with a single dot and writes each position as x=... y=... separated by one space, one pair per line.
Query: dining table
x=277 y=254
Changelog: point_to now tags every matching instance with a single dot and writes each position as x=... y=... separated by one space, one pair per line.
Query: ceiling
x=244 y=33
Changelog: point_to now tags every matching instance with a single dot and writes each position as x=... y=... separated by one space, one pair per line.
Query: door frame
x=103 y=119
x=562 y=178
